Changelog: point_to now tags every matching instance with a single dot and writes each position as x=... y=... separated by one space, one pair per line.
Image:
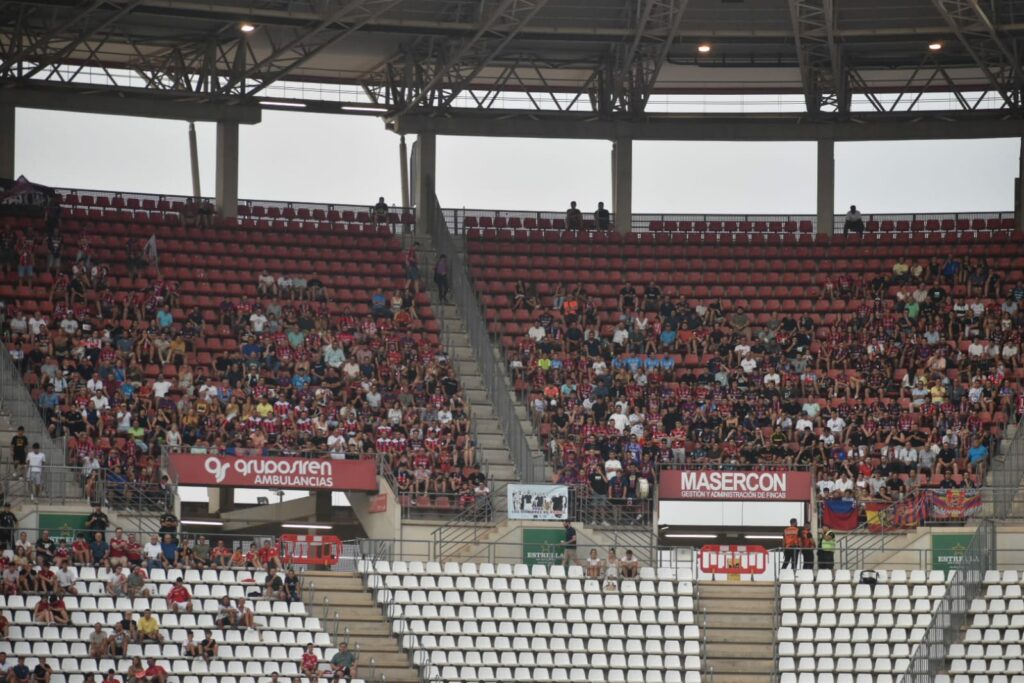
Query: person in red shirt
x=154 y=672
x=310 y=663
x=179 y=598
x=133 y=551
x=221 y=555
x=268 y=556
x=118 y=549
x=110 y=678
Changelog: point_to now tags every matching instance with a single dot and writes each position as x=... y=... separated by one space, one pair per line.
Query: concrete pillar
x=622 y=184
x=1019 y=192
x=826 y=186
x=425 y=173
x=403 y=167
x=6 y=141
x=227 y=169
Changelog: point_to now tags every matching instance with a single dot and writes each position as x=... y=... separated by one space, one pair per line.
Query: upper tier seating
x=833 y=625
x=202 y=344
x=486 y=622
x=873 y=343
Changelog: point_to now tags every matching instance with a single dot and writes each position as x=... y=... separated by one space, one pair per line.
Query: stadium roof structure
x=727 y=69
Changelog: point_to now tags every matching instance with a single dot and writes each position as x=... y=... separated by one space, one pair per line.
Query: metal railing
x=17 y=404
x=529 y=468
x=53 y=485
x=963 y=585
x=503 y=219
x=1007 y=468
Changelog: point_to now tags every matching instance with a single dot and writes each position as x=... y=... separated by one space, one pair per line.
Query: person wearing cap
x=178 y=598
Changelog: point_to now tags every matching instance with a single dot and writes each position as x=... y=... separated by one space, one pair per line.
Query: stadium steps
x=739 y=630
x=346 y=609
x=491 y=448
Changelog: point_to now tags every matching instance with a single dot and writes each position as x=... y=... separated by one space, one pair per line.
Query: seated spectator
x=66 y=578
x=98 y=549
x=593 y=565
x=273 y=587
x=209 y=646
x=154 y=672
x=46 y=579
x=291 y=586
x=152 y=553
x=268 y=556
x=343 y=664
x=191 y=648
x=58 y=610
x=117 y=646
x=135 y=670
x=135 y=584
x=310 y=664
x=246 y=617
x=42 y=671
x=117 y=585
x=149 y=628
x=169 y=552
x=630 y=566
x=20 y=672
x=42 y=614
x=99 y=642
x=227 y=615
x=178 y=598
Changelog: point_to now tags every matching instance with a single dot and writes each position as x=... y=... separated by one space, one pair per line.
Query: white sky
x=295 y=156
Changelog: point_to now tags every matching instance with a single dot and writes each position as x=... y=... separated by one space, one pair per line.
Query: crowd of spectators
x=905 y=389
x=114 y=366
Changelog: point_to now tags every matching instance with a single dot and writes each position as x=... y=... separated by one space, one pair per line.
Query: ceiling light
x=691 y=535
x=306 y=526
x=935 y=47
x=764 y=537
x=246 y=27
x=704 y=48
x=277 y=103
x=200 y=522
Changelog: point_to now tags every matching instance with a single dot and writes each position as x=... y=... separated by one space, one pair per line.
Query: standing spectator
x=178 y=598
x=602 y=219
x=441 y=277
x=827 y=549
x=573 y=217
x=807 y=546
x=791 y=544
x=19 y=450
x=412 y=268
x=8 y=523
x=380 y=211
x=36 y=460
x=310 y=664
x=569 y=543
x=98 y=520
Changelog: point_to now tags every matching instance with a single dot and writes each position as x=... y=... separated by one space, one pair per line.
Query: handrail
x=963 y=585
x=529 y=468
x=1007 y=468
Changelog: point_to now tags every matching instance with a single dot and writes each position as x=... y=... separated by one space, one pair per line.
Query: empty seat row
x=385 y=567
x=545 y=629
x=469 y=674
x=534 y=585
x=650 y=642
x=526 y=599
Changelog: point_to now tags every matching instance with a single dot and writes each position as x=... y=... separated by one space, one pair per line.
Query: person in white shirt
x=124 y=421
x=444 y=416
x=69 y=326
x=66 y=577
x=612 y=467
x=336 y=445
x=599 y=367
x=35 y=460
x=836 y=425
x=94 y=384
x=772 y=378
x=37 y=324
x=803 y=423
x=258 y=321
x=161 y=387
x=536 y=332
x=748 y=364
x=619 y=421
x=825 y=487
x=152 y=552
x=99 y=402
x=844 y=484
x=333 y=356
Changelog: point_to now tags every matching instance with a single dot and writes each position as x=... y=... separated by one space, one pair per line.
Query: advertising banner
x=273 y=472
x=734 y=485
x=63 y=527
x=948 y=549
x=538 y=502
x=542 y=546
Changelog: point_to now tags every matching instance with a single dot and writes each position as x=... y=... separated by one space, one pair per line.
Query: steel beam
x=145 y=103
x=980 y=39
x=915 y=126
x=7 y=140
x=227 y=170
x=821 y=69
x=826 y=182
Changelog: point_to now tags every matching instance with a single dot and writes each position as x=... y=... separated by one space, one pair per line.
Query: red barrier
x=320 y=551
x=733 y=559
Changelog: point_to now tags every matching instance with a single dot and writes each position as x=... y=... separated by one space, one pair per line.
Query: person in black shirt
x=601 y=217
x=573 y=217
x=291 y=586
x=97 y=521
x=19 y=449
x=569 y=545
x=8 y=523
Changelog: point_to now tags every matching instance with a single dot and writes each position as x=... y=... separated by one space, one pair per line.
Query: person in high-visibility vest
x=827 y=549
x=791 y=542
x=807 y=546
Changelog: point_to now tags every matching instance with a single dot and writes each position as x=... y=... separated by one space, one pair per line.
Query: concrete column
x=622 y=184
x=227 y=169
x=403 y=167
x=6 y=141
x=425 y=174
x=1019 y=192
x=826 y=186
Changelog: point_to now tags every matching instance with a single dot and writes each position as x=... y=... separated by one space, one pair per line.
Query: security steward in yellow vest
x=827 y=549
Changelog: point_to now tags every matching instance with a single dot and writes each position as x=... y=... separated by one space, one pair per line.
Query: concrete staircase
x=347 y=610
x=739 y=630
x=492 y=451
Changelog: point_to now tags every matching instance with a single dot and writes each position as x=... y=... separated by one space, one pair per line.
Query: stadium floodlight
x=246 y=27
x=691 y=535
x=704 y=48
x=306 y=526
x=763 y=537
x=935 y=46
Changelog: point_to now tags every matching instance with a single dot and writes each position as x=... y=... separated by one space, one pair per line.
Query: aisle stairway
x=739 y=631
x=347 y=611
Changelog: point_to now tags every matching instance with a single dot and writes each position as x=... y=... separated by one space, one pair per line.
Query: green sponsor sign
x=62 y=527
x=542 y=546
x=947 y=549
